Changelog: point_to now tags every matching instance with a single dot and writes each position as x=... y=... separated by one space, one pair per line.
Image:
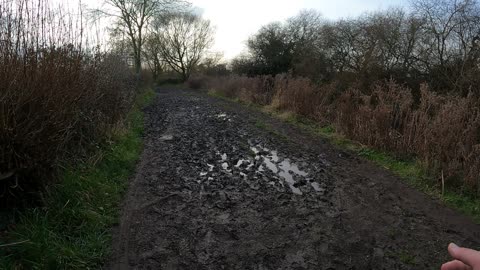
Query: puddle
x=225 y=166
x=210 y=167
x=274 y=156
x=287 y=171
x=270 y=165
x=265 y=162
x=243 y=161
x=317 y=187
x=224 y=117
x=167 y=138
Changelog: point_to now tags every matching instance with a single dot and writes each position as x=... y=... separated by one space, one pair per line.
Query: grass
x=73 y=229
x=410 y=170
x=272 y=131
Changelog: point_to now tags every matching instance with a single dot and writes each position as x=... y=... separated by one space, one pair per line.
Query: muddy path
x=221 y=186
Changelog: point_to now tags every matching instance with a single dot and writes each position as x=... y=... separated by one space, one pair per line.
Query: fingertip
x=454 y=265
x=453 y=250
x=453 y=247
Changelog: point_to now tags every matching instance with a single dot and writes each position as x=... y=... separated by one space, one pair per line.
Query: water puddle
x=225 y=166
x=167 y=138
x=223 y=117
x=210 y=167
x=264 y=164
x=317 y=187
x=285 y=169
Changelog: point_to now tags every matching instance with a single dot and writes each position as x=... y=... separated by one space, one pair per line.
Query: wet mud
x=216 y=191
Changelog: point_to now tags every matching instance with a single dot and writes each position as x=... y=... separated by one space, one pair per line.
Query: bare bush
x=57 y=102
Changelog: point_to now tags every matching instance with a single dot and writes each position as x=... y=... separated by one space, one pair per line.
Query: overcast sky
x=236 y=20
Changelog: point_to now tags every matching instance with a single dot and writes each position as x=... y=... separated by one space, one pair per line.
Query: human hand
x=465 y=259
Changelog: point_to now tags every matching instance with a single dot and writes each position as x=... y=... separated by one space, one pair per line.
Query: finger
x=467 y=256
x=455 y=265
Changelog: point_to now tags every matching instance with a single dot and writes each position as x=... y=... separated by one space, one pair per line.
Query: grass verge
x=73 y=230
x=410 y=170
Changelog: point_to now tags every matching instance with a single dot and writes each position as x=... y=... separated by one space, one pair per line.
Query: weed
x=260 y=124
x=407 y=258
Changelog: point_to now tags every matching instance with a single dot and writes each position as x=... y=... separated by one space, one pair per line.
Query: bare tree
x=450 y=33
x=183 y=39
x=134 y=16
x=153 y=56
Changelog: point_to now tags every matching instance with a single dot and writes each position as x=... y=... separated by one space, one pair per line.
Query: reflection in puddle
x=270 y=165
x=288 y=171
x=224 y=117
x=166 y=138
x=262 y=165
x=285 y=169
x=225 y=166
x=240 y=163
x=317 y=187
x=210 y=167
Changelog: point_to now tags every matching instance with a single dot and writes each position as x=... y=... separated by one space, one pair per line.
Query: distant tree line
x=438 y=43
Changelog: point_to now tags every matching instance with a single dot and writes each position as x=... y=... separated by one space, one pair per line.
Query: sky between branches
x=236 y=20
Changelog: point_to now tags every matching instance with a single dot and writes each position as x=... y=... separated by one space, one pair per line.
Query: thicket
x=406 y=83
x=59 y=97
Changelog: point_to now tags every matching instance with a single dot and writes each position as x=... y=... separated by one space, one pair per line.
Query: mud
x=215 y=191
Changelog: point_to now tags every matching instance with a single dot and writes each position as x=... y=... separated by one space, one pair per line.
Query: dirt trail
x=217 y=190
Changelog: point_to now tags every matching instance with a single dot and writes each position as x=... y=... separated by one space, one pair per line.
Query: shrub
x=197 y=82
x=57 y=102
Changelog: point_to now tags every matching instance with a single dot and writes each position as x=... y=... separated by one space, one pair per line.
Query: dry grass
x=57 y=102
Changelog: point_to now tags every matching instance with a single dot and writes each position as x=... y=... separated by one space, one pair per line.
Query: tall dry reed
x=58 y=98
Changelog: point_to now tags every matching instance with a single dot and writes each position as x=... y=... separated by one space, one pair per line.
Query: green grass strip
x=73 y=230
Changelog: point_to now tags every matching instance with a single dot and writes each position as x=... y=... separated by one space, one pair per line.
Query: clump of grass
x=72 y=231
x=407 y=258
x=272 y=131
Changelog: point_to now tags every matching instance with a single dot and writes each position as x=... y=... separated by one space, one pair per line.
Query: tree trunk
x=138 y=64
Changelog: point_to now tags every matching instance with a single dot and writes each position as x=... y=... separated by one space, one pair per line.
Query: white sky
x=236 y=20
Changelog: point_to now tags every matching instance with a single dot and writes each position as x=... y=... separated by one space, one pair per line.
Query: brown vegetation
x=57 y=102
